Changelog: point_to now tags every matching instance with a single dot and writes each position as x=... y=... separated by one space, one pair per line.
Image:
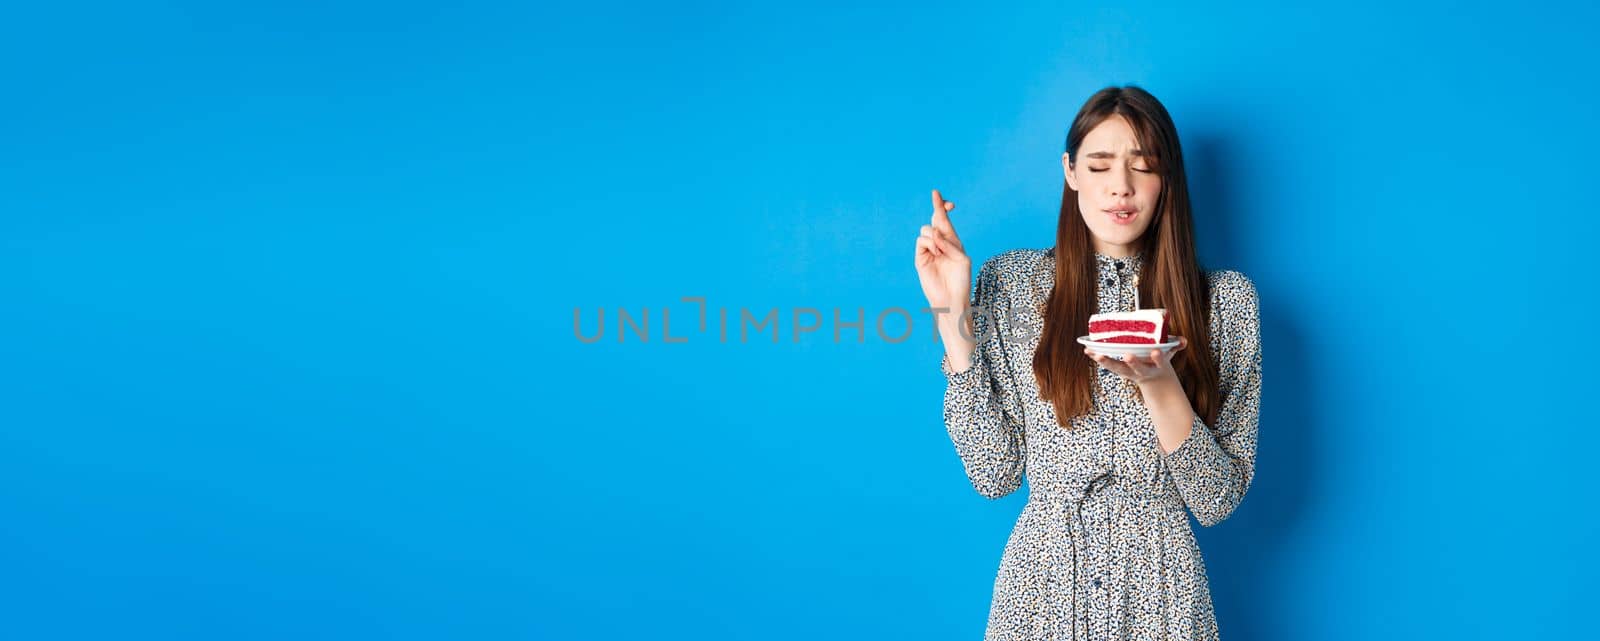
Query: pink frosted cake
x=1139 y=327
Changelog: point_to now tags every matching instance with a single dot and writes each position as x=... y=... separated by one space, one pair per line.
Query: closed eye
x=1145 y=171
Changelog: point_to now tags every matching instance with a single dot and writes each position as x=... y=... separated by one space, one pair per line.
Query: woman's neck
x=1117 y=251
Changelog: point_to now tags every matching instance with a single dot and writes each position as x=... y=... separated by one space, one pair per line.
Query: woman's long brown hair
x=1171 y=276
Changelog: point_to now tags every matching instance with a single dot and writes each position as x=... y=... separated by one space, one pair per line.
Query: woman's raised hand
x=942 y=263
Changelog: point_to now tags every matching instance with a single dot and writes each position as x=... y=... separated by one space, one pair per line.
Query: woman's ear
x=1066 y=168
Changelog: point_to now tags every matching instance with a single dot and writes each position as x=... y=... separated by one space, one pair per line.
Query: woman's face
x=1110 y=176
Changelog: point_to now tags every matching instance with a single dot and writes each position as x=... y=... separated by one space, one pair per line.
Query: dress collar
x=1128 y=265
x=1109 y=265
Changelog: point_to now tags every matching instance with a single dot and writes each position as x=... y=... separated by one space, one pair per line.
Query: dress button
x=1108 y=282
x=1095 y=583
x=1119 y=264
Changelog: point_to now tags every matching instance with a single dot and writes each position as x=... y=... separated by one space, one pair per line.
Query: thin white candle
x=1136 y=292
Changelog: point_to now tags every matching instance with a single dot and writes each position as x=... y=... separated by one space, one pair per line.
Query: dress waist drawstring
x=1071 y=496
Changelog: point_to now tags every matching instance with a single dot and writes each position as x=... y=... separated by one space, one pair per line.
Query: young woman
x=1115 y=451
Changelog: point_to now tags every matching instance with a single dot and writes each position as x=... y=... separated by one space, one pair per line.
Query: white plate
x=1118 y=350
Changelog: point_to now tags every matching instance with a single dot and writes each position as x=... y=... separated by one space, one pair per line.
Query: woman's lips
x=1115 y=218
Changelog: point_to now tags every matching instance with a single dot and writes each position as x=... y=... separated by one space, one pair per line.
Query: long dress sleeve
x=982 y=412
x=1213 y=466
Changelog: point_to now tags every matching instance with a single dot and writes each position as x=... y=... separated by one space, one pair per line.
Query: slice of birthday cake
x=1144 y=326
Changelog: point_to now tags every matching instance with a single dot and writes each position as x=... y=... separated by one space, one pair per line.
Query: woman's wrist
x=1162 y=388
x=954 y=325
x=1170 y=411
x=955 y=333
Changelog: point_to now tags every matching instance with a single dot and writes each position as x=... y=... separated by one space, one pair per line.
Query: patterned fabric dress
x=1103 y=548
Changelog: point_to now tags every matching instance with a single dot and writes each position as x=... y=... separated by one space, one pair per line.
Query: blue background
x=288 y=345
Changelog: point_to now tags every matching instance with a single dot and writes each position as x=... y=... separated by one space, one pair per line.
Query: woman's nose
x=1120 y=184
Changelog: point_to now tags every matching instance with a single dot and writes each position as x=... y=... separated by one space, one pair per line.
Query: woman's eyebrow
x=1107 y=154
